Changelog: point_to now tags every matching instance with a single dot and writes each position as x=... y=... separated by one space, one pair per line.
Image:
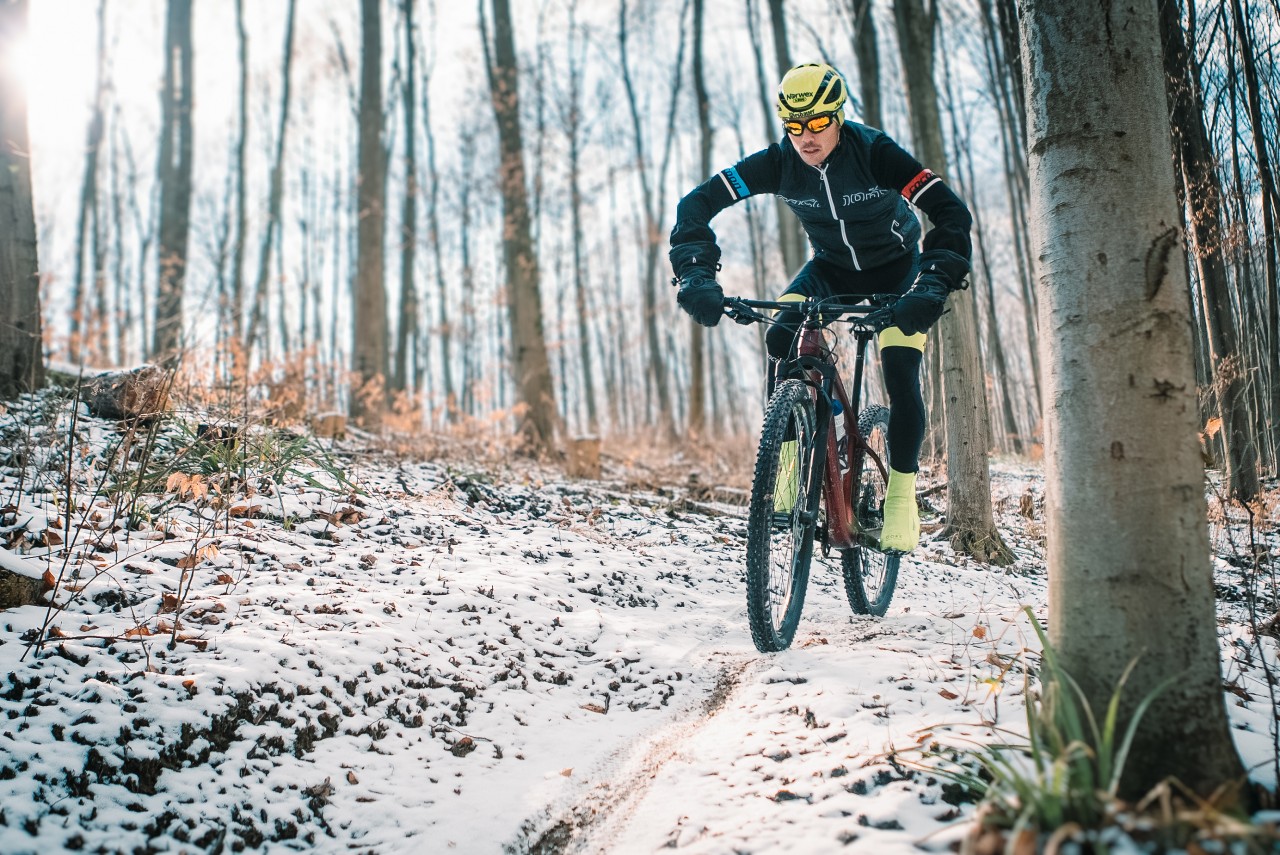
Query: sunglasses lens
x=794 y=128
x=818 y=124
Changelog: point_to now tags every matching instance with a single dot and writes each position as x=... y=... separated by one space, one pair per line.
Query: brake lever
x=742 y=314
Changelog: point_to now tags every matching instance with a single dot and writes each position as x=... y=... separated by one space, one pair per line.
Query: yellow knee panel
x=895 y=337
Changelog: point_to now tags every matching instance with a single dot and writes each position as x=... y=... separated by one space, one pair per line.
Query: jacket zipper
x=844 y=236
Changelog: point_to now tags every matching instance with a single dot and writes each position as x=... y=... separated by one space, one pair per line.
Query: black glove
x=920 y=308
x=942 y=271
x=701 y=296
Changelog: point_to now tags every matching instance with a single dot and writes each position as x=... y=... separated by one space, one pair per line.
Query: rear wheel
x=869 y=574
x=782 y=518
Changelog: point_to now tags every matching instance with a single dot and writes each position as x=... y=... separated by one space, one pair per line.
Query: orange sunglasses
x=816 y=124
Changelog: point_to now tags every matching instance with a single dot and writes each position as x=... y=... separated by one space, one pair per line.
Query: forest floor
x=340 y=650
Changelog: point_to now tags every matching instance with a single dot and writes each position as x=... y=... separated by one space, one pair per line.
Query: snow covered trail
x=794 y=755
x=458 y=661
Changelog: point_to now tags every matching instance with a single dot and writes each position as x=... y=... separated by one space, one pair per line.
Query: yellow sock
x=901 y=514
x=786 y=488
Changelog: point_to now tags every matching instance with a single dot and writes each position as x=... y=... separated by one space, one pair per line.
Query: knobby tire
x=869 y=574
x=780 y=546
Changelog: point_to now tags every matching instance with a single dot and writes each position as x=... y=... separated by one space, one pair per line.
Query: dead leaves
x=343 y=516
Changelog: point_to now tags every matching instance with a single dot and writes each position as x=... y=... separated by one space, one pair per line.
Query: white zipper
x=844 y=236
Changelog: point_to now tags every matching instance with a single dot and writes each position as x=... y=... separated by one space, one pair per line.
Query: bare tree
x=88 y=225
x=791 y=235
x=524 y=300
x=970 y=522
x=652 y=191
x=21 y=357
x=275 y=204
x=407 y=327
x=369 y=351
x=867 y=49
x=176 y=144
x=236 y=318
x=1130 y=576
x=697 y=335
x=433 y=232
x=1204 y=196
x=576 y=54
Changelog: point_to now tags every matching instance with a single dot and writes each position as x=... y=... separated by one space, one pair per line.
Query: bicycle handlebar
x=743 y=310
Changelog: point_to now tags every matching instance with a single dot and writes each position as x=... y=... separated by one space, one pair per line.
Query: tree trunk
x=445 y=311
x=21 y=356
x=577 y=59
x=791 y=235
x=176 y=143
x=407 y=328
x=868 y=51
x=1129 y=564
x=697 y=335
x=1270 y=201
x=258 y=317
x=369 y=352
x=652 y=198
x=531 y=368
x=237 y=254
x=970 y=522
x=81 y=328
x=1204 y=195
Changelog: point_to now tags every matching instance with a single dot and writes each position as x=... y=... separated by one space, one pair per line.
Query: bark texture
x=970 y=522
x=21 y=358
x=530 y=365
x=176 y=144
x=1128 y=548
x=368 y=398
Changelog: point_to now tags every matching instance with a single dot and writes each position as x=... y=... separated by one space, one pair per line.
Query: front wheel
x=869 y=574
x=782 y=518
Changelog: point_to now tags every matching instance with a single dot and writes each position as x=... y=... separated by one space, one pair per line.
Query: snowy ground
x=454 y=661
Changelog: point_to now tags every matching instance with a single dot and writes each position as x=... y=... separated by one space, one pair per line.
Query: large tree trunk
x=970 y=522
x=258 y=316
x=1129 y=567
x=531 y=367
x=176 y=144
x=369 y=400
x=1204 y=195
x=21 y=356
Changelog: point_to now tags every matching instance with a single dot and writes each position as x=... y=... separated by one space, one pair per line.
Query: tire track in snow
x=591 y=823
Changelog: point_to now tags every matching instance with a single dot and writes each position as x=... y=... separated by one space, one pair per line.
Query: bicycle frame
x=822 y=375
x=815 y=363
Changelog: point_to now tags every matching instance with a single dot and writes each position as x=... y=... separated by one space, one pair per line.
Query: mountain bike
x=821 y=474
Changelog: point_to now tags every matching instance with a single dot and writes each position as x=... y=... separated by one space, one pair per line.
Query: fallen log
x=141 y=393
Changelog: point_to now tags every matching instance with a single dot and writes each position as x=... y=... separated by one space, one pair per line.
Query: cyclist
x=849 y=184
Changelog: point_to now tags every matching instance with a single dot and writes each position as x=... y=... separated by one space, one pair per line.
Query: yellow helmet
x=814 y=87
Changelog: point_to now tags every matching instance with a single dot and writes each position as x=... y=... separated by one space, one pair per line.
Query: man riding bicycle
x=849 y=184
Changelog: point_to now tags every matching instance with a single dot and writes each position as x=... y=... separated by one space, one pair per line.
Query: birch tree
x=1130 y=577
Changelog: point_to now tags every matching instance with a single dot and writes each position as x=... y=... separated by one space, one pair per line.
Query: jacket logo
x=802 y=203
x=863 y=196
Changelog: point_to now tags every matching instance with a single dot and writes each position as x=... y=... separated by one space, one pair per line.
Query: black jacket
x=853 y=207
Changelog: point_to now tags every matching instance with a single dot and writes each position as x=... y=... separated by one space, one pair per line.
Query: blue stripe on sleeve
x=735 y=181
